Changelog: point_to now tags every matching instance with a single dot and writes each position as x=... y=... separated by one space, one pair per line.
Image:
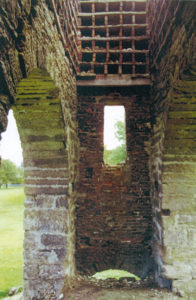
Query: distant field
x=11 y=238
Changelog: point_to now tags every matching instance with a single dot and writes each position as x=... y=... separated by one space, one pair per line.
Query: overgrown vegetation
x=11 y=238
x=116 y=274
x=117 y=155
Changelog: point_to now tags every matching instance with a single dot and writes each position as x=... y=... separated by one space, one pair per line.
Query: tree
x=118 y=154
x=10 y=173
x=120 y=131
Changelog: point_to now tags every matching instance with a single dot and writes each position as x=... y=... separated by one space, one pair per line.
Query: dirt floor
x=110 y=290
x=95 y=293
x=125 y=291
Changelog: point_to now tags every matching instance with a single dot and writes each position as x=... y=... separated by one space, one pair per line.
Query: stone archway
x=40 y=123
x=30 y=44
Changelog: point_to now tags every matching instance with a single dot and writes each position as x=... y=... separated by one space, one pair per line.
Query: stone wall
x=45 y=105
x=113 y=214
x=173 y=145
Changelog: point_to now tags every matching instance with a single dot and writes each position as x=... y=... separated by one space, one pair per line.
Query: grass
x=11 y=238
x=116 y=274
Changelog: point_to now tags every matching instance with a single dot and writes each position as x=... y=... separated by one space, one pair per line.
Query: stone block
x=179 y=270
x=53 y=240
x=176 y=237
x=46 y=220
x=32 y=240
x=186 y=288
x=45 y=256
x=51 y=272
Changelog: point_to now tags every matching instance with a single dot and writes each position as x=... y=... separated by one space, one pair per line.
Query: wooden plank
x=114 y=51
x=103 y=1
x=112 y=13
x=115 y=81
x=117 y=38
x=114 y=26
x=112 y=63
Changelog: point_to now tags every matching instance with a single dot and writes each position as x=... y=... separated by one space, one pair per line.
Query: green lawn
x=11 y=238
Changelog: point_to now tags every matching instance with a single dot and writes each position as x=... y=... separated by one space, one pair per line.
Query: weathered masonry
x=61 y=62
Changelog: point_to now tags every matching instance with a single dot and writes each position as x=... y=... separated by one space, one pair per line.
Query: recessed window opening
x=114 y=135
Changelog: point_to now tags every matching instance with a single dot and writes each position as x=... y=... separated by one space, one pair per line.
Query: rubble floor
x=89 y=291
x=93 y=293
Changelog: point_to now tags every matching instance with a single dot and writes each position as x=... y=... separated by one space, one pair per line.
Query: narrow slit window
x=114 y=135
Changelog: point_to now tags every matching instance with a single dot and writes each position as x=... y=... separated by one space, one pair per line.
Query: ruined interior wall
x=173 y=144
x=113 y=213
x=30 y=40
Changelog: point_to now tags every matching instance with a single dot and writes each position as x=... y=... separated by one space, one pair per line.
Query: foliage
x=120 y=131
x=116 y=274
x=10 y=173
x=11 y=238
x=117 y=155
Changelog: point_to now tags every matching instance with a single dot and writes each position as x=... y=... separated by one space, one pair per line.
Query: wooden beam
x=115 y=81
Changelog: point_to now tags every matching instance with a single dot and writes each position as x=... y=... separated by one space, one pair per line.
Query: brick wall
x=113 y=214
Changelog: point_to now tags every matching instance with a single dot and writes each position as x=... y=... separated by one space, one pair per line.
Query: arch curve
x=37 y=81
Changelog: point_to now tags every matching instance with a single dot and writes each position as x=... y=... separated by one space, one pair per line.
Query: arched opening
x=11 y=209
x=42 y=131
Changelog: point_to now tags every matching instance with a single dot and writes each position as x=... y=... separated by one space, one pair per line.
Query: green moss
x=116 y=274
